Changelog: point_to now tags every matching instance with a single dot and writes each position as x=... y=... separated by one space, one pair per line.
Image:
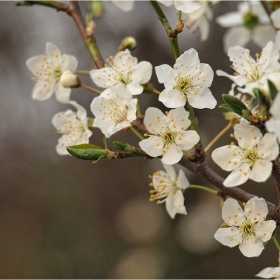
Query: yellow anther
x=231 y=135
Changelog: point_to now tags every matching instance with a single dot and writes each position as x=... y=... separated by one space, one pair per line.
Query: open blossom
x=169 y=188
x=252 y=73
x=247 y=228
x=250 y=22
x=199 y=19
x=170 y=137
x=73 y=127
x=123 y=69
x=189 y=80
x=114 y=110
x=182 y=5
x=251 y=159
x=47 y=71
x=273 y=124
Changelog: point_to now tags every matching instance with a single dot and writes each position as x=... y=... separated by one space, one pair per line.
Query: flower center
x=250 y=156
x=247 y=228
x=57 y=72
x=117 y=113
x=169 y=137
x=184 y=84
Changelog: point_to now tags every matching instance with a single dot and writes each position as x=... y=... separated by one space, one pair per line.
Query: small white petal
x=188 y=140
x=142 y=72
x=232 y=213
x=256 y=209
x=275 y=16
x=170 y=171
x=166 y=74
x=251 y=247
x=154 y=120
x=69 y=62
x=268 y=147
x=182 y=181
x=261 y=171
x=238 y=176
x=152 y=146
x=53 y=52
x=269 y=272
x=175 y=204
x=263 y=34
x=172 y=98
x=265 y=231
x=171 y=155
x=228 y=236
x=202 y=99
x=62 y=94
x=230 y=19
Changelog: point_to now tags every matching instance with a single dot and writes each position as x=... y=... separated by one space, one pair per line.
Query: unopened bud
x=180 y=26
x=96 y=8
x=69 y=80
x=90 y=27
x=128 y=43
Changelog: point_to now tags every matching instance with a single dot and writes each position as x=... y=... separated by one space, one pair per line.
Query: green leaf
x=272 y=90
x=224 y=106
x=261 y=97
x=234 y=104
x=87 y=152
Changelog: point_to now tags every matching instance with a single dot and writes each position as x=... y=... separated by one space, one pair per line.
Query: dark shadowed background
x=61 y=217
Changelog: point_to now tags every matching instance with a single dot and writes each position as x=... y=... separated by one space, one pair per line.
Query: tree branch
x=73 y=10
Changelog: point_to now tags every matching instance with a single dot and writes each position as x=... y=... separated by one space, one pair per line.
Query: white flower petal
x=179 y=118
x=261 y=171
x=273 y=125
x=182 y=181
x=154 y=120
x=265 y=231
x=53 y=53
x=172 y=98
x=187 y=139
x=62 y=94
x=152 y=146
x=170 y=171
x=186 y=6
x=205 y=77
x=263 y=34
x=228 y=236
x=251 y=247
x=269 y=58
x=227 y=157
x=238 y=176
x=268 y=147
x=69 y=62
x=142 y=72
x=59 y=120
x=232 y=213
x=236 y=36
x=81 y=111
x=275 y=16
x=100 y=77
x=125 y=6
x=40 y=92
x=239 y=80
x=186 y=61
x=202 y=99
x=166 y=74
x=175 y=204
x=230 y=19
x=37 y=65
x=171 y=155
x=269 y=272
x=256 y=209
x=248 y=136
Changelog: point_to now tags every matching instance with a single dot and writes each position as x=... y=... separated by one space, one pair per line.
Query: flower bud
x=96 y=8
x=69 y=80
x=128 y=43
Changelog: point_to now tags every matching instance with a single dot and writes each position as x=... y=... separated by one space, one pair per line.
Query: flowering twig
x=172 y=34
x=73 y=10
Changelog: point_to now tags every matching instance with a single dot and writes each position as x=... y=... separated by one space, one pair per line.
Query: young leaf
x=87 y=152
x=272 y=90
x=234 y=104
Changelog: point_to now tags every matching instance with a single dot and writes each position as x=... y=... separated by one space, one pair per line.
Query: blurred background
x=61 y=217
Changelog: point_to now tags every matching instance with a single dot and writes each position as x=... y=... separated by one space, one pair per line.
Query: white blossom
x=182 y=5
x=273 y=124
x=123 y=69
x=124 y=5
x=188 y=81
x=73 y=127
x=247 y=228
x=252 y=73
x=169 y=188
x=251 y=159
x=47 y=71
x=199 y=19
x=270 y=272
x=238 y=34
x=114 y=110
x=170 y=138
